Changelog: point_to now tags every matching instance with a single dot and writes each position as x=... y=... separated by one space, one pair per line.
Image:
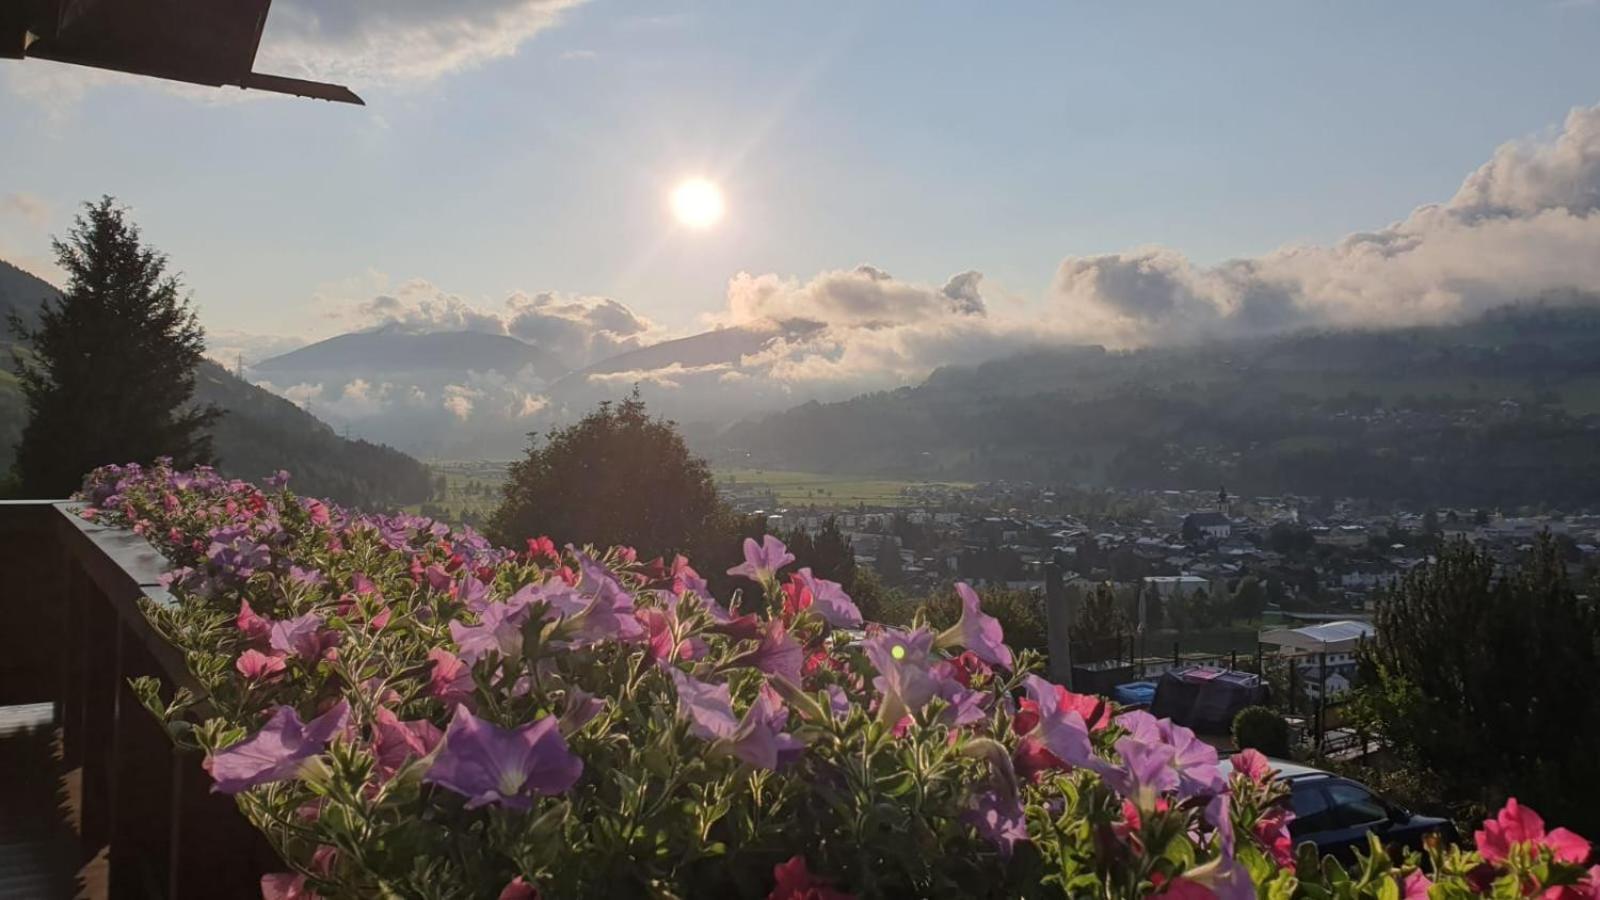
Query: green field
x=800 y=488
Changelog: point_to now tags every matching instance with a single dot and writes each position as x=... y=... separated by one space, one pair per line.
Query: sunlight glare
x=697 y=203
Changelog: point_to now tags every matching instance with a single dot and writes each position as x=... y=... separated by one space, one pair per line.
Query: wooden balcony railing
x=74 y=636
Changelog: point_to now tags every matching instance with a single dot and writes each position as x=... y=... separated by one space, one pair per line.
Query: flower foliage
x=407 y=711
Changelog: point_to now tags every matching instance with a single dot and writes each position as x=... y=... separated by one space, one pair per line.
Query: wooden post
x=1058 y=625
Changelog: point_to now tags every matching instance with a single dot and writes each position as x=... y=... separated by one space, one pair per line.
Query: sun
x=697 y=203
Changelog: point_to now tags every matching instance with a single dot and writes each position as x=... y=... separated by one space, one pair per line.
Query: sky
x=1125 y=171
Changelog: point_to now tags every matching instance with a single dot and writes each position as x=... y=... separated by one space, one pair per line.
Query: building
x=1169 y=586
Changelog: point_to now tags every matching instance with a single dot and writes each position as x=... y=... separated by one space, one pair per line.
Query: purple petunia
x=758 y=738
x=762 y=561
x=829 y=601
x=977 y=631
x=1061 y=730
x=777 y=653
x=395 y=743
x=499 y=630
x=489 y=764
x=904 y=682
x=1000 y=819
x=278 y=751
x=301 y=636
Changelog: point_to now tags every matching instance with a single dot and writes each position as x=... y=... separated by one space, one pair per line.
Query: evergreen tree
x=109 y=370
x=1249 y=600
x=1486 y=679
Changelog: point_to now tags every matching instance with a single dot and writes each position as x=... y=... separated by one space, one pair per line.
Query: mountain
x=390 y=351
x=722 y=347
x=260 y=432
x=1500 y=410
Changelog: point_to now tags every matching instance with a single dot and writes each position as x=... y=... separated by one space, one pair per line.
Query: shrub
x=1263 y=729
x=408 y=711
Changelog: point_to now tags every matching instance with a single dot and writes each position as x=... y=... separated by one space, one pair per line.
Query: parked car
x=1337 y=814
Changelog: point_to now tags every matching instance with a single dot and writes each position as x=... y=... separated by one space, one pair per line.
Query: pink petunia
x=257 y=666
x=1516 y=825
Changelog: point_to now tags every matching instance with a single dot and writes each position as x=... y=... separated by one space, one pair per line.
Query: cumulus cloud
x=570 y=330
x=390 y=41
x=863 y=297
x=1526 y=223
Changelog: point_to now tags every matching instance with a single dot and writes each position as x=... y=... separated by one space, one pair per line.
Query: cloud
x=29 y=207
x=572 y=330
x=1525 y=224
x=228 y=346
x=863 y=297
x=366 y=42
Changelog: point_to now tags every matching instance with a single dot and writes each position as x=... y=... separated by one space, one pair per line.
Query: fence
x=72 y=612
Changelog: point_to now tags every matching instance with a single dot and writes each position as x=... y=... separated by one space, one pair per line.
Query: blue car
x=1336 y=814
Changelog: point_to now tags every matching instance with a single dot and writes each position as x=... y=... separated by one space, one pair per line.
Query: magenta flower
x=306 y=577
x=977 y=631
x=257 y=629
x=302 y=636
x=395 y=743
x=517 y=889
x=1516 y=825
x=762 y=561
x=1415 y=886
x=904 y=682
x=1000 y=819
x=499 y=630
x=257 y=666
x=966 y=706
x=488 y=764
x=450 y=680
x=1194 y=762
x=1225 y=877
x=1252 y=765
x=1060 y=729
x=829 y=601
x=757 y=739
x=278 y=751
x=286 y=886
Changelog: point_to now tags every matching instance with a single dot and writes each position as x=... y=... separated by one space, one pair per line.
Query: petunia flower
x=1095 y=711
x=977 y=631
x=795 y=882
x=1225 y=877
x=277 y=752
x=499 y=630
x=1252 y=765
x=756 y=739
x=395 y=743
x=516 y=888
x=1415 y=886
x=450 y=680
x=489 y=764
x=301 y=636
x=904 y=682
x=999 y=819
x=257 y=629
x=1059 y=729
x=762 y=561
x=1516 y=825
x=777 y=653
x=257 y=666
x=286 y=886
x=826 y=598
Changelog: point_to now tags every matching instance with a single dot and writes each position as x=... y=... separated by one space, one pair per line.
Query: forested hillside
x=259 y=434
x=1503 y=409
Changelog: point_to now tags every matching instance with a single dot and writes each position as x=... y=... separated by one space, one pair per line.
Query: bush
x=405 y=710
x=1263 y=729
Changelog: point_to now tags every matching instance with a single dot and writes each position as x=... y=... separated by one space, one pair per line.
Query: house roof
x=1329 y=637
x=1206 y=519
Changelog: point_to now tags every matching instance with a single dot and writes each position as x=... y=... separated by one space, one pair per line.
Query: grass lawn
x=798 y=488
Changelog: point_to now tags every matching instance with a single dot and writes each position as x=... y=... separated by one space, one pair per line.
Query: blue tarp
x=1135 y=693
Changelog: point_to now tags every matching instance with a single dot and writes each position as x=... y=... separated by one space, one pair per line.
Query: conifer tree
x=108 y=372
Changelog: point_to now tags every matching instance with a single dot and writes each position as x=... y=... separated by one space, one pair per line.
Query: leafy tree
x=1099 y=624
x=619 y=476
x=1488 y=681
x=109 y=369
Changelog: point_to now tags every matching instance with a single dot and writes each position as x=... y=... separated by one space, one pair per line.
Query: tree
x=1487 y=680
x=828 y=553
x=109 y=370
x=1249 y=599
x=1098 y=625
x=619 y=476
